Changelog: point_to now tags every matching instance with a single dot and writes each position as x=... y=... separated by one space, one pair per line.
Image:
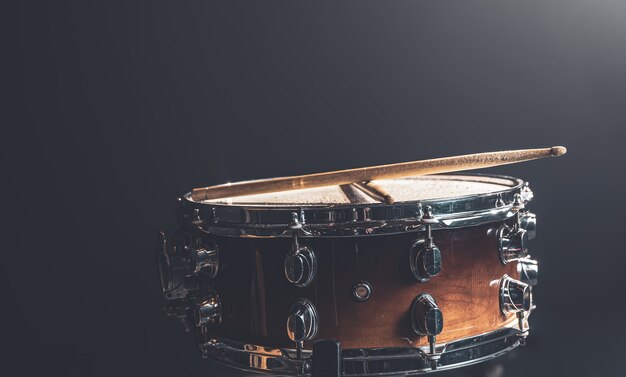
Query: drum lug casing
x=208 y=310
x=512 y=243
x=425 y=256
x=528 y=222
x=528 y=270
x=515 y=296
x=300 y=264
x=179 y=263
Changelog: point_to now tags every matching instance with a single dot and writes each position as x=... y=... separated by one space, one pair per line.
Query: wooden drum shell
x=256 y=296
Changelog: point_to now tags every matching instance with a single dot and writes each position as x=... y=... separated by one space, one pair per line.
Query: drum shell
x=257 y=297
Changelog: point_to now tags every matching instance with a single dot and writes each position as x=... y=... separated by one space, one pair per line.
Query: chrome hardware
x=522 y=323
x=181 y=310
x=515 y=296
x=297 y=220
x=426 y=317
x=195 y=217
x=425 y=260
x=178 y=263
x=518 y=203
x=425 y=256
x=500 y=202
x=302 y=323
x=528 y=222
x=419 y=213
x=364 y=361
x=526 y=193
x=362 y=291
x=427 y=320
x=350 y=220
x=208 y=311
x=173 y=268
x=205 y=259
x=163 y=263
x=528 y=270
x=300 y=264
x=513 y=241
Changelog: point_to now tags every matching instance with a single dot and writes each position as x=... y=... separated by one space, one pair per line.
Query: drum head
x=335 y=211
x=402 y=190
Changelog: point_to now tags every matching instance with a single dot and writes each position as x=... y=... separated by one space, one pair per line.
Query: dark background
x=112 y=110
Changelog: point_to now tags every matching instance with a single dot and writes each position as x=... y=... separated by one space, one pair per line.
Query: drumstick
x=399 y=170
x=374 y=191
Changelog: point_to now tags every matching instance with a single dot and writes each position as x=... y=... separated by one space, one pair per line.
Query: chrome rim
x=365 y=362
x=354 y=219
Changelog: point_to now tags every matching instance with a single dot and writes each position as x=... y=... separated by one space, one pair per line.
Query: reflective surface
x=426 y=317
x=208 y=310
x=365 y=362
x=302 y=322
x=362 y=291
x=357 y=219
x=425 y=260
x=528 y=222
x=528 y=270
x=300 y=266
x=205 y=259
x=512 y=243
x=515 y=296
x=257 y=297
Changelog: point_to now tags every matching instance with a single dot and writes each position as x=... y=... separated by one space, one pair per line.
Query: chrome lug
x=528 y=222
x=426 y=317
x=528 y=271
x=515 y=296
x=425 y=256
x=205 y=259
x=208 y=311
x=302 y=322
x=300 y=266
x=512 y=243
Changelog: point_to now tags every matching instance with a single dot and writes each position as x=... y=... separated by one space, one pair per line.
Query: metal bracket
x=432 y=356
x=297 y=225
x=523 y=327
x=327 y=359
x=425 y=245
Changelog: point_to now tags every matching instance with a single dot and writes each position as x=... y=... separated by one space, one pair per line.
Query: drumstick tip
x=558 y=151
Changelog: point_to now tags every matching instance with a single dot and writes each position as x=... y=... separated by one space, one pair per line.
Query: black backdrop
x=114 y=109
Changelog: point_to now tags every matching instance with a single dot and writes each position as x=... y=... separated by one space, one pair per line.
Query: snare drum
x=439 y=278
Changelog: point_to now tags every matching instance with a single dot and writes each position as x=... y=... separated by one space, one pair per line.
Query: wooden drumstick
x=374 y=191
x=404 y=169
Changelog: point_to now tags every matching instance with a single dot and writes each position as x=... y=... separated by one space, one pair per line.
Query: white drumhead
x=402 y=190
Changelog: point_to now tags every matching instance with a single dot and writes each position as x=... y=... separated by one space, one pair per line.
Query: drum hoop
x=349 y=220
x=357 y=362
